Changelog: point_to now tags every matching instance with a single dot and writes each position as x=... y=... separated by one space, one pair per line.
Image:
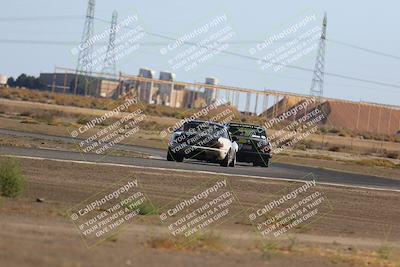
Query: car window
x=247 y=131
x=204 y=127
x=224 y=133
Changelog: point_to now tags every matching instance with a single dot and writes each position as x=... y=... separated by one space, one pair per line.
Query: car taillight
x=219 y=144
x=266 y=149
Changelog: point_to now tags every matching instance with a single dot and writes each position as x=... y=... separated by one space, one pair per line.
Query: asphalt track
x=158 y=160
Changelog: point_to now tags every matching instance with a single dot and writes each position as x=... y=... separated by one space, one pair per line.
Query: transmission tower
x=317 y=84
x=109 y=64
x=84 y=64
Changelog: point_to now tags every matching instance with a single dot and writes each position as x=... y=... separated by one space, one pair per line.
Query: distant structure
x=85 y=57
x=147 y=90
x=110 y=65
x=210 y=95
x=62 y=80
x=3 y=80
x=339 y=113
x=165 y=90
x=317 y=84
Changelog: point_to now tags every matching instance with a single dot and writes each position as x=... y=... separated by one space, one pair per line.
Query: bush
x=26 y=114
x=11 y=179
x=333 y=131
x=392 y=155
x=146 y=208
x=301 y=147
x=335 y=148
x=377 y=162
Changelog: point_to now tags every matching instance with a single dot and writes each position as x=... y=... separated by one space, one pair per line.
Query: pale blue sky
x=370 y=24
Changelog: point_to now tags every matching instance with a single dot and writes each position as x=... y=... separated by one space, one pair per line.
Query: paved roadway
x=277 y=170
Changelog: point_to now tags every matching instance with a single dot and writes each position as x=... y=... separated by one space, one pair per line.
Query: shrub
x=308 y=144
x=26 y=114
x=377 y=162
x=199 y=241
x=323 y=130
x=335 y=148
x=301 y=147
x=146 y=208
x=44 y=116
x=11 y=179
x=383 y=252
x=333 y=131
x=392 y=155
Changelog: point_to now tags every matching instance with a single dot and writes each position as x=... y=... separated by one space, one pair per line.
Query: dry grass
x=161 y=117
x=382 y=257
x=377 y=162
x=203 y=241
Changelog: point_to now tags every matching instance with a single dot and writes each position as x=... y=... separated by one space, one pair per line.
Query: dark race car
x=253 y=144
x=203 y=140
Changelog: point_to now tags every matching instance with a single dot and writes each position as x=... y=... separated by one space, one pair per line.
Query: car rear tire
x=169 y=156
x=233 y=162
x=225 y=162
x=264 y=164
x=173 y=157
x=178 y=158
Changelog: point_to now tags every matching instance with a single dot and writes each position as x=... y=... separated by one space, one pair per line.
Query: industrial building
x=72 y=83
x=168 y=93
x=3 y=80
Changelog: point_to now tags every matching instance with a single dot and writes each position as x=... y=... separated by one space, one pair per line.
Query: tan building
x=71 y=83
x=108 y=88
x=147 y=91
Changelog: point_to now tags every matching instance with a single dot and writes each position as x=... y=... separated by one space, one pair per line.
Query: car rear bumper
x=199 y=152
x=252 y=156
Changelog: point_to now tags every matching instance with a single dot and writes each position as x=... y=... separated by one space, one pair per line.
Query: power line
x=194 y=44
x=364 y=49
x=229 y=42
x=52 y=18
x=15 y=41
x=51 y=42
x=346 y=77
x=39 y=42
x=237 y=42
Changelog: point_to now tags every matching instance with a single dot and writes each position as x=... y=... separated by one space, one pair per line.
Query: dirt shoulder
x=362 y=226
x=152 y=139
x=66 y=117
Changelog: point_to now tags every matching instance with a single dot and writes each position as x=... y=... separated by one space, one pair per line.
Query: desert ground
x=361 y=230
x=58 y=120
x=355 y=226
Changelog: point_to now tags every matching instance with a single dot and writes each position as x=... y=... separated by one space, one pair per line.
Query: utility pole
x=317 y=84
x=109 y=64
x=84 y=64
